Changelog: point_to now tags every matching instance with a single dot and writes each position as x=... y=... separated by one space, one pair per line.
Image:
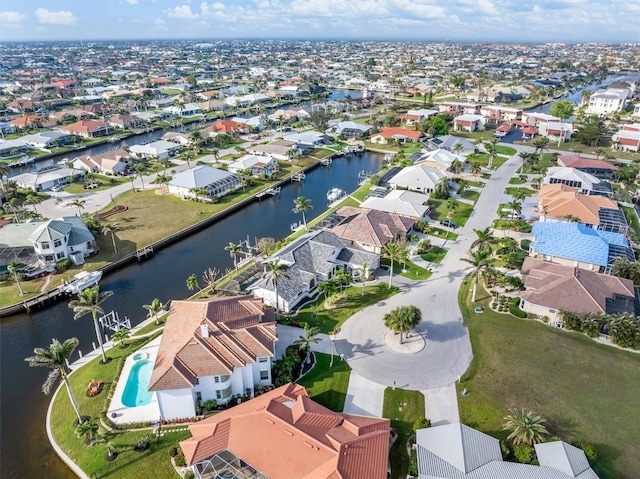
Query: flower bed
x=112 y=211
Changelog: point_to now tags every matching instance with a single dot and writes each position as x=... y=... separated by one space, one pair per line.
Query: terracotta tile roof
x=391 y=132
x=85 y=126
x=371 y=227
x=571 y=289
x=575 y=161
x=562 y=200
x=211 y=337
x=284 y=434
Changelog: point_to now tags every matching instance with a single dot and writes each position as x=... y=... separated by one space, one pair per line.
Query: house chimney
x=204 y=330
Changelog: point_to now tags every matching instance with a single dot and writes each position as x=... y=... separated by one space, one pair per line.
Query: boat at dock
x=326 y=161
x=23 y=161
x=298 y=176
x=82 y=281
x=334 y=194
x=113 y=139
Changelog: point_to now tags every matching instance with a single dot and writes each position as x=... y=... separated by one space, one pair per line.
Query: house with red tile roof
x=595 y=167
x=284 y=434
x=26 y=121
x=402 y=135
x=212 y=349
x=627 y=139
x=469 y=122
x=229 y=126
x=87 y=128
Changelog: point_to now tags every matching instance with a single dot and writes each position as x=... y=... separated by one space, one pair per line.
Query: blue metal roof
x=576 y=241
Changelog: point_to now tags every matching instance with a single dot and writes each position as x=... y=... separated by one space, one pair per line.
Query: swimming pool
x=136 y=391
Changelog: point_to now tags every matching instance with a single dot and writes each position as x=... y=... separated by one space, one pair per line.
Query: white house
x=609 y=101
x=421 y=178
x=47 y=139
x=441 y=159
x=312 y=258
x=257 y=164
x=46 y=179
x=469 y=122
x=556 y=131
x=215 y=182
x=586 y=183
x=63 y=238
x=188 y=109
x=405 y=203
x=114 y=162
x=159 y=149
x=212 y=349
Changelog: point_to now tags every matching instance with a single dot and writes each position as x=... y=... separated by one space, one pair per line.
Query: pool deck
x=124 y=414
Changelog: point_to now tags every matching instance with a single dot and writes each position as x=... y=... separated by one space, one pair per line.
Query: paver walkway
x=364 y=397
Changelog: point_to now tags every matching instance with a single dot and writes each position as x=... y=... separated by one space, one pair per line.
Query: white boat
x=335 y=194
x=82 y=281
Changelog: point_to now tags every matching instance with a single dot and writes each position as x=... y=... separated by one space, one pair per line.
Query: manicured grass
x=402 y=407
x=632 y=220
x=347 y=201
x=152 y=326
x=460 y=216
x=485 y=135
x=515 y=225
x=516 y=180
x=483 y=160
x=513 y=191
x=571 y=146
x=476 y=184
x=362 y=192
x=434 y=255
x=547 y=161
x=329 y=319
x=411 y=270
x=91 y=459
x=440 y=233
x=328 y=385
x=105 y=183
x=505 y=150
x=470 y=195
x=584 y=389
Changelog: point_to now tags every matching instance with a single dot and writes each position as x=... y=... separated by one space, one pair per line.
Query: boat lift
x=113 y=322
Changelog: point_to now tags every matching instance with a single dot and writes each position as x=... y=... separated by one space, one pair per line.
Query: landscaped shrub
x=173 y=451
x=211 y=404
x=421 y=423
x=514 y=308
x=423 y=246
x=524 y=244
x=413 y=463
x=523 y=453
x=588 y=449
x=189 y=475
x=63 y=265
x=506 y=450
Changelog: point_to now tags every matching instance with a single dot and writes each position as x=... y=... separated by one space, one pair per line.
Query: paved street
x=448 y=351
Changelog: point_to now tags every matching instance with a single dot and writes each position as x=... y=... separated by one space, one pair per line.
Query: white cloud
x=182 y=12
x=11 y=18
x=160 y=21
x=131 y=2
x=61 y=17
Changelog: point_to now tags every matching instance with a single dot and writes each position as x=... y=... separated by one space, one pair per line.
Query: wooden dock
x=274 y=190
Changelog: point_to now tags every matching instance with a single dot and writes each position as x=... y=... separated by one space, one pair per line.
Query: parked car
x=449 y=224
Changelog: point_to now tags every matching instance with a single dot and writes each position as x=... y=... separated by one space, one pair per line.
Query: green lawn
x=515 y=225
x=329 y=319
x=483 y=160
x=460 y=216
x=476 y=184
x=470 y=195
x=584 y=389
x=434 y=255
x=505 y=150
x=632 y=220
x=411 y=270
x=440 y=233
x=328 y=385
x=129 y=464
x=547 y=161
x=516 y=180
x=513 y=191
x=402 y=407
x=104 y=181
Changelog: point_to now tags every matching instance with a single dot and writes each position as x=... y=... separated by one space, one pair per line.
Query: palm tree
x=402 y=319
x=475 y=169
x=78 y=203
x=484 y=240
x=482 y=264
x=89 y=301
x=121 y=336
x=491 y=147
x=457 y=148
x=154 y=308
x=234 y=250
x=310 y=337
x=33 y=200
x=451 y=205
x=526 y=427
x=540 y=144
x=88 y=430
x=392 y=251
x=302 y=204
x=276 y=270
x=110 y=229
x=528 y=159
x=55 y=358
x=456 y=165
x=328 y=287
x=13 y=270
x=364 y=270
x=192 y=282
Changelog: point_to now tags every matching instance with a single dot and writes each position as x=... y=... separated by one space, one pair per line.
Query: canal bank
x=23 y=429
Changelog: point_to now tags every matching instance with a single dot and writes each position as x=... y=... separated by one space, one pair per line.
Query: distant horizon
x=457 y=21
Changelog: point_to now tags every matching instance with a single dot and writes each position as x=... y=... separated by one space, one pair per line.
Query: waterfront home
x=312 y=258
x=12 y=148
x=400 y=135
x=6 y=128
x=370 y=229
x=63 y=238
x=400 y=202
x=311 y=138
x=551 y=288
x=441 y=159
x=228 y=126
x=468 y=122
x=257 y=165
x=279 y=149
x=213 y=105
x=608 y=101
x=204 y=180
x=177 y=137
x=124 y=121
x=48 y=178
x=114 y=162
x=421 y=178
x=15 y=244
x=283 y=434
x=158 y=150
x=449 y=142
x=188 y=109
x=47 y=139
x=577 y=245
x=456 y=451
x=598 y=168
x=559 y=202
x=348 y=129
x=87 y=128
x=587 y=184
x=212 y=349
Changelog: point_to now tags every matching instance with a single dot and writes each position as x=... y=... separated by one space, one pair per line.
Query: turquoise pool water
x=136 y=391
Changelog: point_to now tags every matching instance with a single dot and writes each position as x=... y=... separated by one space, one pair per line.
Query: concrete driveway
x=447 y=354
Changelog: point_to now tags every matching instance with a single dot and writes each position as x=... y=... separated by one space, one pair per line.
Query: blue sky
x=471 y=20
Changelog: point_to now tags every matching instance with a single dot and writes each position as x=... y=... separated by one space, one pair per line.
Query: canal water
x=25 y=450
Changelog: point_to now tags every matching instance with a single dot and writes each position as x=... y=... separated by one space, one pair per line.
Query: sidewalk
x=364 y=397
x=441 y=405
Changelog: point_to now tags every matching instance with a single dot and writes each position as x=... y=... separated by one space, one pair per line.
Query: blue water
x=136 y=392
